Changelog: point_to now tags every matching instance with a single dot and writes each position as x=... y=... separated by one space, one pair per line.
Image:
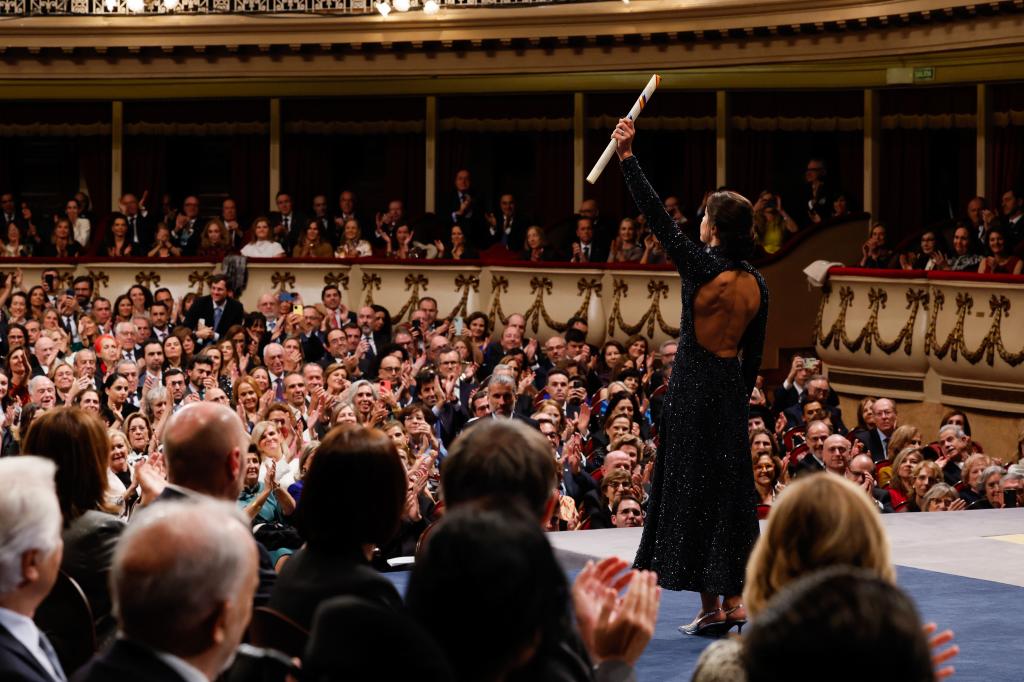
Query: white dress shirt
x=25 y=631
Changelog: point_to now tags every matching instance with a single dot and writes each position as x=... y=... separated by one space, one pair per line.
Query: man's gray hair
x=666 y=344
x=269 y=347
x=124 y=326
x=958 y=431
x=503 y=379
x=1011 y=476
x=30 y=517
x=35 y=382
x=176 y=561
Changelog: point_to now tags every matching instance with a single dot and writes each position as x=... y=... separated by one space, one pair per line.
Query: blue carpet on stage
x=984 y=615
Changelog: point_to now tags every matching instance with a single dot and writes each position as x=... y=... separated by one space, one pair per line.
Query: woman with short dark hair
x=342 y=531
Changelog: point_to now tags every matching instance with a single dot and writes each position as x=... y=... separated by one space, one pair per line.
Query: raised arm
x=691 y=259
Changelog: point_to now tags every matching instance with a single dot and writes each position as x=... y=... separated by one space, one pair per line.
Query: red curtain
x=1006 y=142
x=927 y=172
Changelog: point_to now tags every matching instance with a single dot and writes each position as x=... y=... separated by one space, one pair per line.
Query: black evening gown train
x=702 y=518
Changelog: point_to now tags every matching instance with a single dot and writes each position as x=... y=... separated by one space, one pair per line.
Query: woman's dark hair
x=830 y=616
x=408 y=410
x=385 y=329
x=22 y=295
x=733 y=215
x=974 y=246
x=613 y=402
x=375 y=483
x=117 y=304
x=995 y=229
x=954 y=413
x=77 y=442
x=490 y=558
x=477 y=315
x=147 y=295
x=28 y=301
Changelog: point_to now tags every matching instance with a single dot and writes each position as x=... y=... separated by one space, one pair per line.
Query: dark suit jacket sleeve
x=202 y=308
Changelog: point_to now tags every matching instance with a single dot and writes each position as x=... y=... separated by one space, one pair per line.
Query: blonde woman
x=817 y=522
x=926 y=475
x=901 y=483
x=270 y=444
x=903 y=437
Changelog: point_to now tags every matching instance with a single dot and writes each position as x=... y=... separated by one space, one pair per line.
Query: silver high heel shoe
x=706 y=625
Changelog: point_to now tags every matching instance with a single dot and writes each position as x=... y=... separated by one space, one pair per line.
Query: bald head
x=205 y=444
x=616 y=459
x=183 y=578
x=836 y=454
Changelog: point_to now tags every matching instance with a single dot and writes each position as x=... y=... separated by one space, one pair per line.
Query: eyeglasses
x=629 y=512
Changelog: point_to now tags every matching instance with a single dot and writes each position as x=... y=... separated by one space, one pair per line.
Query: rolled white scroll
x=638 y=106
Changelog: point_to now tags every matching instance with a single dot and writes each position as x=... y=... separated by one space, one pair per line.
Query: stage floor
x=984 y=544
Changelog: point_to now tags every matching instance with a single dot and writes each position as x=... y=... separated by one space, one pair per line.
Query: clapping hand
x=941 y=657
x=625 y=625
x=588 y=592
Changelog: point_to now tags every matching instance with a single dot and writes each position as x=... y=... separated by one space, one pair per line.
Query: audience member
x=30 y=535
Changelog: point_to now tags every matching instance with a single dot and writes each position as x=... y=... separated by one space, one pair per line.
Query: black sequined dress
x=701 y=520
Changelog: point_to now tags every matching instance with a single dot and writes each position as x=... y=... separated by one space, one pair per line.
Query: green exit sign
x=924 y=73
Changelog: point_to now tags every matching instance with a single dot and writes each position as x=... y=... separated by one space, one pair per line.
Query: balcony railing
x=198 y=7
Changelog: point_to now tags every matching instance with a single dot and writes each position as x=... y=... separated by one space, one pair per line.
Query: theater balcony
x=937 y=337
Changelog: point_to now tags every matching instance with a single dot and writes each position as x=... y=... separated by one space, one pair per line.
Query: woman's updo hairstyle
x=733 y=215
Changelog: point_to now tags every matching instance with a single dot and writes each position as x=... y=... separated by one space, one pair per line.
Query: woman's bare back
x=722 y=309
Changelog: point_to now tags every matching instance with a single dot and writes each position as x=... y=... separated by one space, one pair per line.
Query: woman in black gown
x=702 y=520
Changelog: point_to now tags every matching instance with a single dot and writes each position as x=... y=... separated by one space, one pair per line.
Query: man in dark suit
x=218 y=312
x=507 y=227
x=188 y=227
x=30 y=534
x=233 y=223
x=183 y=579
x=205 y=447
x=816 y=390
x=814 y=461
x=877 y=441
x=286 y=224
x=585 y=249
x=861 y=472
x=140 y=224
x=466 y=209
x=347 y=211
x=10 y=213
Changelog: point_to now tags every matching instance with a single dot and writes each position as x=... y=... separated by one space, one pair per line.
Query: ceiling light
x=111 y=5
x=384 y=8
x=136 y=5
x=401 y=5
x=431 y=7
x=170 y=5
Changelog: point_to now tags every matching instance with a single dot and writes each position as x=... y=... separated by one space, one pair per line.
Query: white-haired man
x=32 y=548
x=183 y=580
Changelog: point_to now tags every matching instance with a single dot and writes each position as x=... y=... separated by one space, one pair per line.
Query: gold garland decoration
x=413 y=281
x=282 y=280
x=869 y=335
x=148 y=279
x=955 y=344
x=200 y=278
x=371 y=282
x=337 y=279
x=99 y=280
x=540 y=287
x=464 y=283
x=499 y=285
x=656 y=290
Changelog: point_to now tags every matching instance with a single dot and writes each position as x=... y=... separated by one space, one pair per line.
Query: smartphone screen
x=458 y=326
x=385 y=386
x=1009 y=498
x=297 y=308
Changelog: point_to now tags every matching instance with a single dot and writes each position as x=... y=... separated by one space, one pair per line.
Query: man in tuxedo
x=287 y=225
x=956 y=448
x=1013 y=211
x=585 y=249
x=877 y=439
x=218 y=311
x=312 y=338
x=11 y=214
x=388 y=222
x=30 y=535
x=160 y=320
x=183 y=579
x=347 y=211
x=232 y=223
x=124 y=333
x=188 y=227
x=507 y=228
x=465 y=208
x=140 y=227
x=324 y=221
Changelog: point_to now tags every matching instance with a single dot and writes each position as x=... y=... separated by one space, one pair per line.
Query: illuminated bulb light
x=136 y=5
x=431 y=7
x=171 y=5
x=401 y=5
x=111 y=5
x=384 y=8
